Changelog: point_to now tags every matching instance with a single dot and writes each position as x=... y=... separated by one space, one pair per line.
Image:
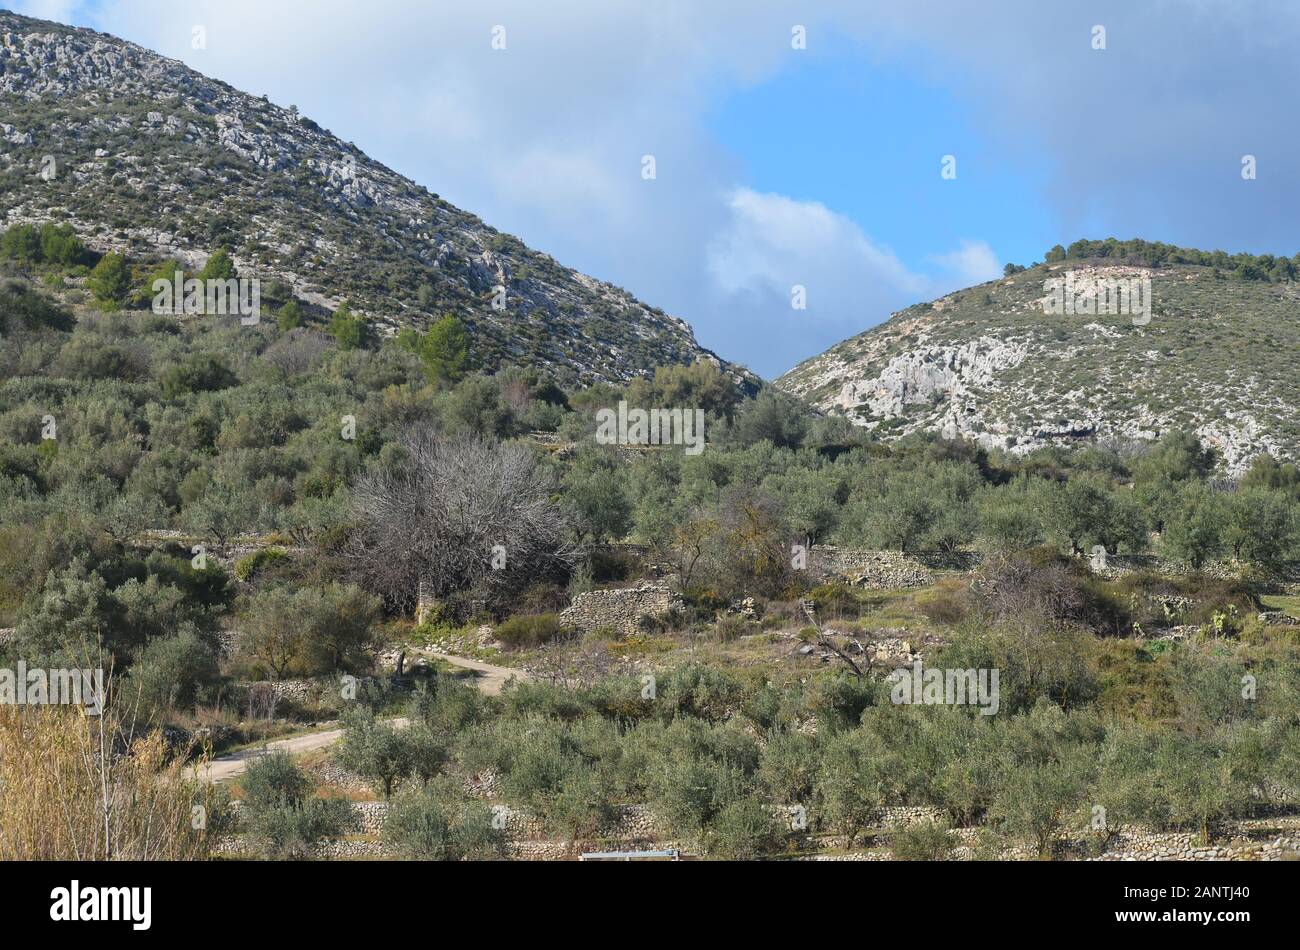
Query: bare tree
x=297 y=351
x=459 y=517
x=826 y=642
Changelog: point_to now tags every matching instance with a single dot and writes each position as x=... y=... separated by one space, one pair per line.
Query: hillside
x=151 y=158
x=1217 y=356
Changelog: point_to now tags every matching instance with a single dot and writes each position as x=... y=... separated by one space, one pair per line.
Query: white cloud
x=772 y=242
x=544 y=140
x=974 y=262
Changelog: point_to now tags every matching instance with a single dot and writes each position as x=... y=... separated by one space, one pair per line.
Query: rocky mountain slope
x=144 y=155
x=991 y=363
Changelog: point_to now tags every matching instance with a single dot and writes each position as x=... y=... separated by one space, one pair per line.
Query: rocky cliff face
x=992 y=363
x=142 y=154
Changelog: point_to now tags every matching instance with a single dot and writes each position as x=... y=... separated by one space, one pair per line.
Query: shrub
x=21 y=243
x=444 y=351
x=922 y=841
x=730 y=627
x=170 y=672
x=198 y=373
x=59 y=245
x=528 y=630
x=348 y=331
x=279 y=813
x=22 y=307
x=110 y=281
x=374 y=750
x=311 y=630
x=744 y=830
x=246 y=568
x=438 y=825
x=289 y=316
x=220 y=266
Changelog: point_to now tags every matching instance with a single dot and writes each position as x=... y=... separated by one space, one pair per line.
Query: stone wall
x=305 y=691
x=890 y=570
x=228 y=642
x=633 y=828
x=619 y=609
x=887 y=570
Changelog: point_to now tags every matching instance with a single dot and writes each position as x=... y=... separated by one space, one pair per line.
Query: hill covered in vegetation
x=146 y=157
x=1215 y=355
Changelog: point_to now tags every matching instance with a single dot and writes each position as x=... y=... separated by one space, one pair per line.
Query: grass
x=1287 y=603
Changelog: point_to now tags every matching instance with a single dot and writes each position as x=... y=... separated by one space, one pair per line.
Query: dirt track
x=488 y=678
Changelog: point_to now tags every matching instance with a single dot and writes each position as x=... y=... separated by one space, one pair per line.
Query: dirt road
x=488 y=678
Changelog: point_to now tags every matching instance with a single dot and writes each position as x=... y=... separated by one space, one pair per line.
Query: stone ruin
x=619 y=609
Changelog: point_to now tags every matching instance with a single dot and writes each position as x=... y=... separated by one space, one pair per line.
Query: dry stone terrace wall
x=633 y=827
x=892 y=570
x=887 y=570
x=619 y=609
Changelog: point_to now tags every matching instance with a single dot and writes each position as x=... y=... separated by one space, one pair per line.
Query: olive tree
x=456 y=516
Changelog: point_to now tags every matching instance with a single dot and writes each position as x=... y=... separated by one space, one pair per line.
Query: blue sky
x=779 y=166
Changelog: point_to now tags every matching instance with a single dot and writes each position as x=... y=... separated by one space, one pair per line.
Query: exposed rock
x=618 y=609
x=298 y=203
x=992 y=365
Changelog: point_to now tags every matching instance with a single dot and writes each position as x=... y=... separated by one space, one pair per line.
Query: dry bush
x=1021 y=591
x=460 y=516
x=948 y=603
x=75 y=787
x=298 y=351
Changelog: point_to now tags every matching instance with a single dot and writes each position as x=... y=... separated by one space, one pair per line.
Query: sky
x=781 y=164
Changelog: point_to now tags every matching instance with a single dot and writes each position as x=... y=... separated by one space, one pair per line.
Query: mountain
x=1216 y=354
x=147 y=156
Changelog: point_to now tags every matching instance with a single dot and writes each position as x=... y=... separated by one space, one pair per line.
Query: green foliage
x=349 y=331
x=279 y=813
x=110 y=281
x=23 y=308
x=171 y=673
x=21 y=243
x=198 y=373
x=440 y=825
x=53 y=244
x=249 y=566
x=289 y=316
x=772 y=417
x=373 y=749
x=744 y=830
x=924 y=840
x=524 y=631
x=595 y=494
x=1194 y=530
x=220 y=266
x=444 y=351
x=1260 y=527
x=311 y=630
x=1256 y=267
